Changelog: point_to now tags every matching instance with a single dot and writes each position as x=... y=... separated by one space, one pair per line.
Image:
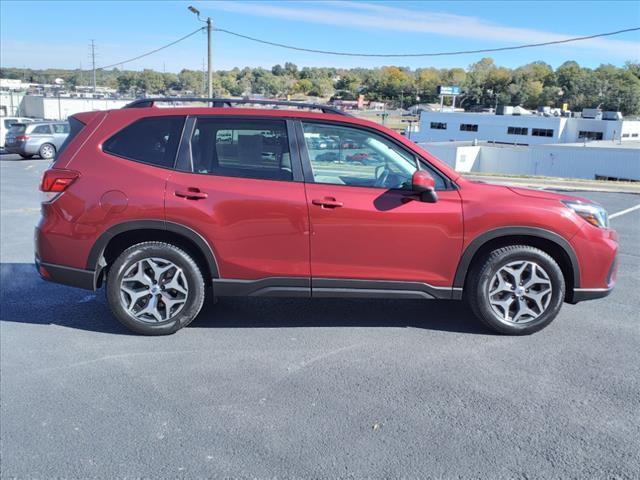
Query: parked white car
x=5 y=125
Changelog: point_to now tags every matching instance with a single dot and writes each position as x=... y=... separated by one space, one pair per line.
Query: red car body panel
x=376 y=235
x=263 y=228
x=257 y=228
x=98 y=200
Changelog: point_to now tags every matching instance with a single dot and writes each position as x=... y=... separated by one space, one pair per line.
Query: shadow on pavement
x=26 y=298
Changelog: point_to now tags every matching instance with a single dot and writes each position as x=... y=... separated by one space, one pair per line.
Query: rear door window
x=151 y=140
x=42 y=130
x=253 y=148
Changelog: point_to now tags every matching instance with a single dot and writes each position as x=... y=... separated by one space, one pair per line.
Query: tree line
x=483 y=84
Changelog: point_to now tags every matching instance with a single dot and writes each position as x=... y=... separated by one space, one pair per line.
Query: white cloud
x=374 y=16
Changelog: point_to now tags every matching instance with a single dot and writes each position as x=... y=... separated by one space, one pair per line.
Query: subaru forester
x=161 y=205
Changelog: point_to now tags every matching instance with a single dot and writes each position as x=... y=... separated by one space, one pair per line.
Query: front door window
x=349 y=156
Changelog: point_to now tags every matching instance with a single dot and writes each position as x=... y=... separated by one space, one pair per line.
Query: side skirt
x=330 y=288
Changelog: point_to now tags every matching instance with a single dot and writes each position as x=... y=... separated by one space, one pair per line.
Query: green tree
x=150 y=81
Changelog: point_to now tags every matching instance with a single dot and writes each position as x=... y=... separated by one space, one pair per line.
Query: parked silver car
x=5 y=125
x=36 y=138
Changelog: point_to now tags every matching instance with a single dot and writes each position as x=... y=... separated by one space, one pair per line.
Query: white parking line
x=618 y=214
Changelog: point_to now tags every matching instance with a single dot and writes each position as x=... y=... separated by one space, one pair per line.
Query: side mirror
x=424 y=184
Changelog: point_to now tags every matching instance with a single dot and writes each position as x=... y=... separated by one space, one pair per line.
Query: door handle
x=327 y=202
x=192 y=193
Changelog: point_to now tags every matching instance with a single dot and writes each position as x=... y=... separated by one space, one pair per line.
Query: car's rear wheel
x=516 y=290
x=47 y=151
x=155 y=288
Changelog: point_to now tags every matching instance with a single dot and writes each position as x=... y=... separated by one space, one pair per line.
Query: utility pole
x=209 y=48
x=204 y=78
x=93 y=63
x=209 y=23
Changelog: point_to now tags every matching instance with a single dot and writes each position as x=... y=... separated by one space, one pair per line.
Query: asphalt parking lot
x=283 y=388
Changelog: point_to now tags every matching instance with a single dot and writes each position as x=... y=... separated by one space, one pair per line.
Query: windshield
x=17 y=128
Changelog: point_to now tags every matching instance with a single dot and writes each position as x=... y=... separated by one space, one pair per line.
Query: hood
x=546 y=195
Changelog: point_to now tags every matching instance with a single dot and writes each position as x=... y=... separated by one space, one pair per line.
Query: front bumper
x=582 y=294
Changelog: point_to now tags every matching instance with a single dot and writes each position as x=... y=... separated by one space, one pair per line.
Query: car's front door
x=241 y=189
x=364 y=225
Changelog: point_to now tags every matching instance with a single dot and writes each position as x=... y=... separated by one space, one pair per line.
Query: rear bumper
x=24 y=148
x=74 y=277
x=19 y=149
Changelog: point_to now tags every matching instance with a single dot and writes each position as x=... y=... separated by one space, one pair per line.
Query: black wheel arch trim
x=95 y=259
x=482 y=239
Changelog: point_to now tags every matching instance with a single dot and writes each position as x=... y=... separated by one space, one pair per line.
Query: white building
x=59 y=108
x=607 y=160
x=520 y=129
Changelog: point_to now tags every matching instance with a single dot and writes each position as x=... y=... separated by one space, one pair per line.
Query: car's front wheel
x=155 y=288
x=516 y=290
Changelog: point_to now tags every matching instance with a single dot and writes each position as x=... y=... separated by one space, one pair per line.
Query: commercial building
x=60 y=108
x=606 y=160
x=522 y=129
x=53 y=101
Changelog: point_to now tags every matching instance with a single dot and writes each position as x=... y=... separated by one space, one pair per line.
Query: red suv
x=161 y=204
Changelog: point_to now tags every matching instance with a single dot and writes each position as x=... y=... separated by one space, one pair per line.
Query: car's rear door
x=238 y=183
x=364 y=226
x=39 y=134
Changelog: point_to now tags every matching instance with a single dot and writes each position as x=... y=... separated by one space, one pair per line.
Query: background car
x=5 y=125
x=36 y=138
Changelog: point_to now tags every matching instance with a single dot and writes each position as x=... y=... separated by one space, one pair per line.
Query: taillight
x=22 y=138
x=55 y=181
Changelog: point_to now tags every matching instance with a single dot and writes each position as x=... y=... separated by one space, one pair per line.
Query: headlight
x=594 y=214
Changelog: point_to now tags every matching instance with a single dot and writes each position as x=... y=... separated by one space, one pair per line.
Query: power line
x=436 y=54
x=377 y=55
x=152 y=51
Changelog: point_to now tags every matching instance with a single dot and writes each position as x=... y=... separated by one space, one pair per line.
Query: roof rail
x=229 y=102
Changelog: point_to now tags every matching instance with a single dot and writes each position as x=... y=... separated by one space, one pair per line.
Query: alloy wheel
x=154 y=290
x=47 y=151
x=520 y=292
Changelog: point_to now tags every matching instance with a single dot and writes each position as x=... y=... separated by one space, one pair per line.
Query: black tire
x=481 y=278
x=47 y=151
x=192 y=277
x=26 y=157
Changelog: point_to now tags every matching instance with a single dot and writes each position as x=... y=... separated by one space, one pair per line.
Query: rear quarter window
x=151 y=140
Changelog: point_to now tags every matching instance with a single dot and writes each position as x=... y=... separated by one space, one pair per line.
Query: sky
x=56 y=34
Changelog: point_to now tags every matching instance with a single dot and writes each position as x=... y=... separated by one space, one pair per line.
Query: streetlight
x=195 y=11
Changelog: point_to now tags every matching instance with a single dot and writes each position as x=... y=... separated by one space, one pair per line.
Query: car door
x=365 y=224
x=238 y=183
x=39 y=134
